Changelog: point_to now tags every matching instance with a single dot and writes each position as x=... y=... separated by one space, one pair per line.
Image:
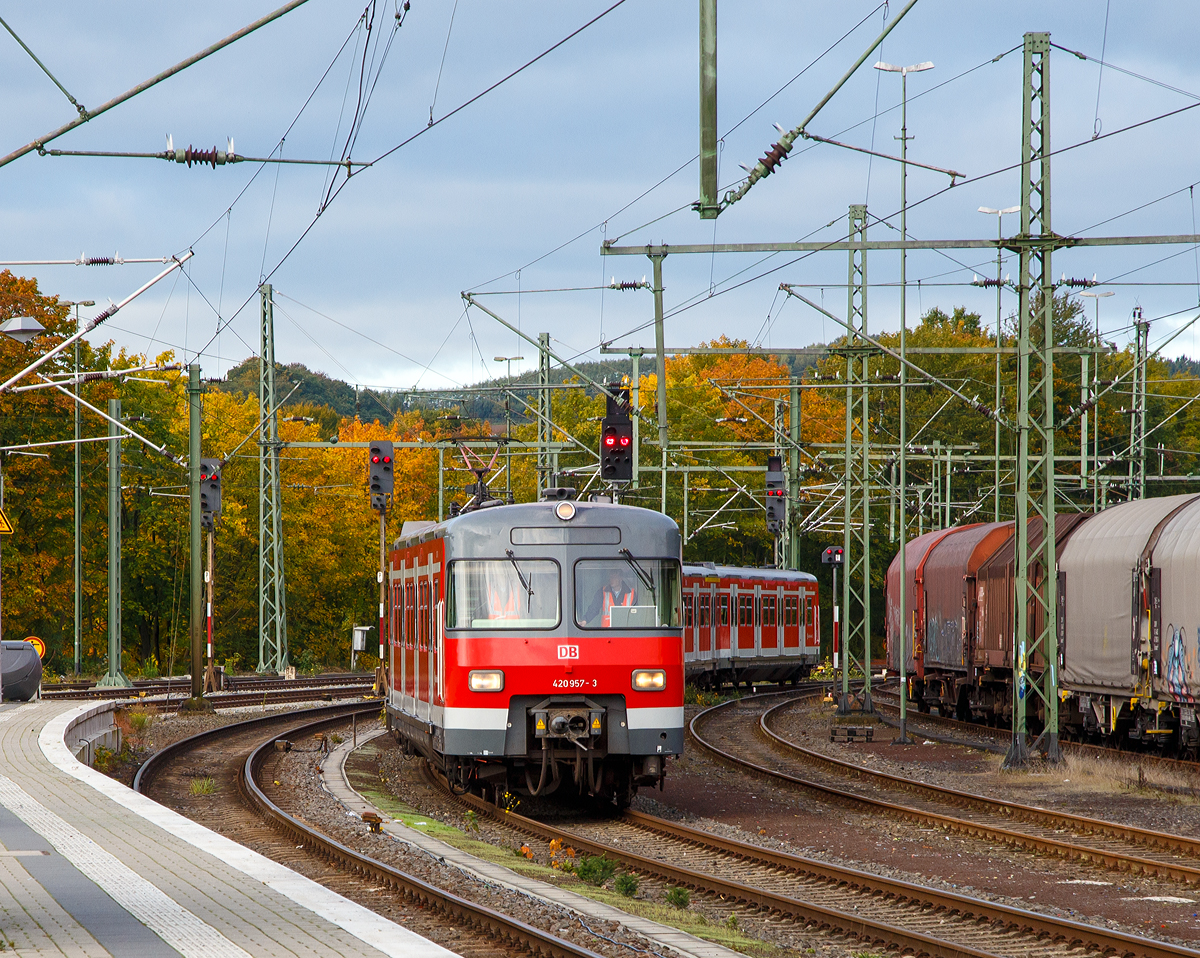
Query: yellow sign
x=38 y=645
x=6 y=528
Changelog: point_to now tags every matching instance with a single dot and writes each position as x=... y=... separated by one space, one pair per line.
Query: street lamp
x=1097 y=296
x=508 y=425
x=902 y=738
x=78 y=501
x=21 y=328
x=999 y=214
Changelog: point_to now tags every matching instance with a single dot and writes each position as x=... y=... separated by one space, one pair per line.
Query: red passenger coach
x=537 y=646
x=748 y=625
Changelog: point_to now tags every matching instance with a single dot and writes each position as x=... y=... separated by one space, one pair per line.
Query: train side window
x=423 y=615
x=768 y=610
x=724 y=620
x=410 y=614
x=688 y=611
x=745 y=610
x=705 y=611
x=791 y=610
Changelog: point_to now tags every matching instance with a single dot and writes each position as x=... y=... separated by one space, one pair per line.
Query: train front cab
x=748 y=625
x=526 y=675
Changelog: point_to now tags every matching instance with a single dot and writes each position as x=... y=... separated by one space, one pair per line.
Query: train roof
x=493 y=529
x=739 y=572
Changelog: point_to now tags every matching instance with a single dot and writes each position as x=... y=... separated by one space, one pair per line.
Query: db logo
x=568 y=651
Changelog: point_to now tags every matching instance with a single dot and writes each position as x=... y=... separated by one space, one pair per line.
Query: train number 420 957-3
x=574 y=683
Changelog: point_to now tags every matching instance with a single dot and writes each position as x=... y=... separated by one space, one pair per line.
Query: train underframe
x=572 y=746
x=1123 y=721
x=730 y=673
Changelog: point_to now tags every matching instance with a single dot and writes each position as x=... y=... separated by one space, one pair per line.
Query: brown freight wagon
x=992 y=651
x=915 y=555
x=950 y=607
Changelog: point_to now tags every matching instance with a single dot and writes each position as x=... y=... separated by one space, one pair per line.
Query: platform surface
x=90 y=868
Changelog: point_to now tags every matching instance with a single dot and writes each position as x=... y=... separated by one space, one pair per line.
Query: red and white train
x=744 y=625
x=538 y=645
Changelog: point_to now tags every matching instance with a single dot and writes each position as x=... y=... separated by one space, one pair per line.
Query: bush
x=627 y=884
x=678 y=898
x=139 y=722
x=595 y=869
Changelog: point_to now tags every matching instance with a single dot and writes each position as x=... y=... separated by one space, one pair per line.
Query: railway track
x=722 y=731
x=242 y=809
x=998 y=739
x=856 y=905
x=235 y=685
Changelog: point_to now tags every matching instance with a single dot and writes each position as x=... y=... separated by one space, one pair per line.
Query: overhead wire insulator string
x=153 y=81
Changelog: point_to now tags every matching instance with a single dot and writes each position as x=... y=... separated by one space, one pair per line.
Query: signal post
x=210 y=509
x=381 y=480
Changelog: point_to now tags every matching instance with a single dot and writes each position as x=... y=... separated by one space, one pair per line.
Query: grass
x=202 y=786
x=1119 y=775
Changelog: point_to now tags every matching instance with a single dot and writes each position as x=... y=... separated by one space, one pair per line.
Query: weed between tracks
x=633 y=894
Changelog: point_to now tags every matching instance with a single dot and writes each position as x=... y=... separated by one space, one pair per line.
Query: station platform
x=89 y=867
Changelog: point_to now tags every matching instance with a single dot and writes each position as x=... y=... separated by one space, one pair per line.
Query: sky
x=512 y=196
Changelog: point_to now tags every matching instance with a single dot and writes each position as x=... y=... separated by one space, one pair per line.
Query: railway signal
x=381 y=479
x=210 y=491
x=776 y=500
x=616 y=437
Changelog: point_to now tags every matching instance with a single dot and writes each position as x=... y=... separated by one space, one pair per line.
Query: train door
x=772 y=642
x=747 y=638
x=438 y=651
x=704 y=620
x=721 y=646
x=421 y=683
x=789 y=624
x=811 y=625
x=689 y=621
x=396 y=610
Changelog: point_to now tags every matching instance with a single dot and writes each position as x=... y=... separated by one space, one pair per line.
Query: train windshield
x=627 y=592
x=507 y=593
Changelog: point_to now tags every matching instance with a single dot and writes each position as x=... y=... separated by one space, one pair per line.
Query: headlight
x=489 y=680
x=649 y=680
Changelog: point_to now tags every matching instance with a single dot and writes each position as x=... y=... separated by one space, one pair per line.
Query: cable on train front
x=548 y=656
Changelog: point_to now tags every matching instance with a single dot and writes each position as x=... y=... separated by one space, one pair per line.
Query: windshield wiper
x=513 y=559
x=641 y=574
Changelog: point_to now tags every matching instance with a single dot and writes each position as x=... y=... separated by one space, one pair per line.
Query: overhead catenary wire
x=405 y=142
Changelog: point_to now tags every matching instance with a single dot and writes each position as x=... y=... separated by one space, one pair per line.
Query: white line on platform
x=372 y=929
x=173 y=923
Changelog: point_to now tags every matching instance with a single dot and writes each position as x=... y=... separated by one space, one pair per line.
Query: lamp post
x=999 y=214
x=1083 y=423
x=902 y=738
x=508 y=425
x=78 y=504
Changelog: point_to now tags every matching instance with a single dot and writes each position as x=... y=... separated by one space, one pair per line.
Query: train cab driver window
x=508 y=593
x=627 y=592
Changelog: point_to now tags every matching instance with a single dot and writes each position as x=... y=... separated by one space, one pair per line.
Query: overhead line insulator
x=192 y=155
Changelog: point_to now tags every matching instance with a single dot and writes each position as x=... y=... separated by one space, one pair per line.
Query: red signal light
x=374 y=459
x=624 y=440
x=387 y=458
x=610 y=441
x=203 y=477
